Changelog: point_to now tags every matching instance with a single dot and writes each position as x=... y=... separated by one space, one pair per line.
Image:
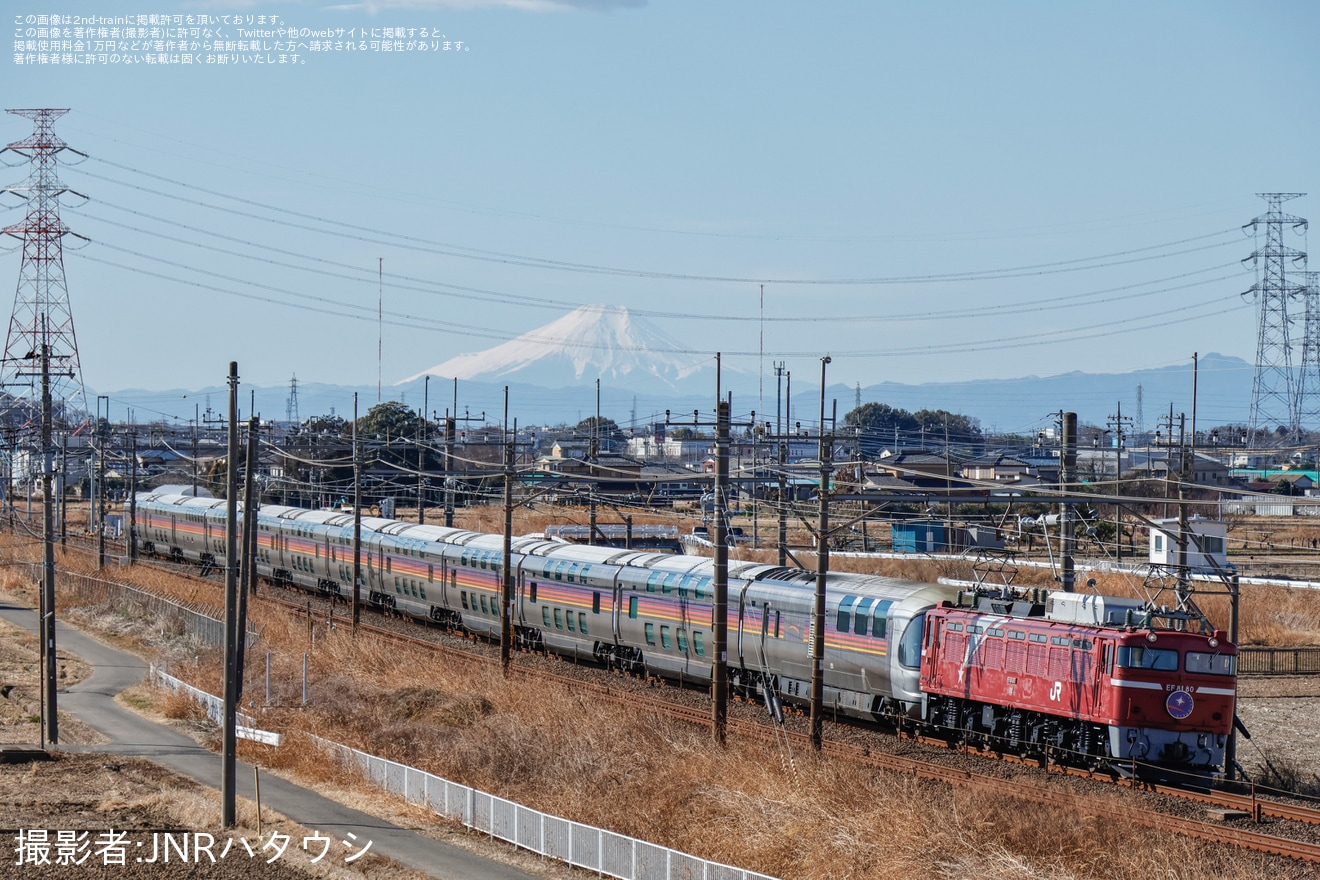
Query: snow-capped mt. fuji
x=589 y=342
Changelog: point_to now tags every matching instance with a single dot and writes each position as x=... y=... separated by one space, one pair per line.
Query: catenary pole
x=228 y=803
x=825 y=449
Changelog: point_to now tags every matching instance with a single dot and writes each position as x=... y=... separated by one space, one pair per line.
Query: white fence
x=582 y=846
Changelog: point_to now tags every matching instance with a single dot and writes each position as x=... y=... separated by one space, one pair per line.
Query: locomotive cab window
x=1210 y=664
x=1141 y=657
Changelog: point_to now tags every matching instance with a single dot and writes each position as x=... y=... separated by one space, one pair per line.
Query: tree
x=609 y=431
x=330 y=425
x=388 y=420
x=962 y=429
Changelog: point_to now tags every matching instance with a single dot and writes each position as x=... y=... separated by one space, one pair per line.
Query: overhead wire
x=409 y=242
x=423 y=285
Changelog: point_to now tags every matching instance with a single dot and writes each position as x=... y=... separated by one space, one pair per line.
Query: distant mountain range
x=551 y=373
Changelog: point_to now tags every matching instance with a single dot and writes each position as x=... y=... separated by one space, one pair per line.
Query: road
x=92 y=701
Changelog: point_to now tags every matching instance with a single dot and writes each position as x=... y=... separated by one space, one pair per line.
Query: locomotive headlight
x=1151 y=637
x=1213 y=642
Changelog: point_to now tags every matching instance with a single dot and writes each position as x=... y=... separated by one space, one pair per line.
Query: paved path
x=131 y=734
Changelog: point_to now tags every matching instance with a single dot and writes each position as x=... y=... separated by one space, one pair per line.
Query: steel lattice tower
x=1308 y=381
x=291 y=405
x=41 y=302
x=1274 y=395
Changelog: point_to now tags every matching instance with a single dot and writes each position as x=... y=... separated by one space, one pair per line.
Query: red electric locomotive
x=1080 y=679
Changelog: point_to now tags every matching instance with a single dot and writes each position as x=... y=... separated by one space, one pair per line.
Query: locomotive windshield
x=909 y=647
x=1213 y=664
x=1141 y=657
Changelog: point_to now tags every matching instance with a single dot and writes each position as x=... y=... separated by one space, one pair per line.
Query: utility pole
x=450 y=428
x=720 y=538
x=132 y=502
x=102 y=432
x=1118 y=420
x=1067 y=474
x=825 y=451
x=48 y=542
x=593 y=452
x=197 y=417
x=64 y=490
x=249 y=571
x=357 y=521
x=229 y=738
x=422 y=440
x=720 y=679
x=783 y=466
x=1184 y=588
x=451 y=434
x=506 y=576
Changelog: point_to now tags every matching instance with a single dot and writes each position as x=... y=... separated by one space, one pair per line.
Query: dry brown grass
x=660 y=780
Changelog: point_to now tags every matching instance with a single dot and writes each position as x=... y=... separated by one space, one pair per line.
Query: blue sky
x=929 y=192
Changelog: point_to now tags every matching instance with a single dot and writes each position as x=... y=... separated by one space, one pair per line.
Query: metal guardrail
x=582 y=846
x=1278 y=661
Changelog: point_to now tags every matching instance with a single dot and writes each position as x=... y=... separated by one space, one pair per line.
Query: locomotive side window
x=582 y=622
x=595 y=603
x=632 y=607
x=559 y=619
x=1141 y=657
x=682 y=640
x=532 y=596
x=545 y=616
x=664 y=638
x=569 y=615
x=1211 y=664
x=697 y=644
x=650 y=634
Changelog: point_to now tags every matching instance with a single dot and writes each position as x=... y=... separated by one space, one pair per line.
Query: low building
x=1207 y=543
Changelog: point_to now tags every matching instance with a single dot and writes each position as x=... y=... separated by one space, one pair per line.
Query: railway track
x=1258 y=809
